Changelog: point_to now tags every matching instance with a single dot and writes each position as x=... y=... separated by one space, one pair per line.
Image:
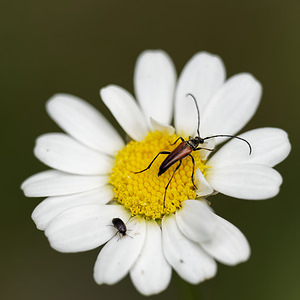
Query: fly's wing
x=180 y=152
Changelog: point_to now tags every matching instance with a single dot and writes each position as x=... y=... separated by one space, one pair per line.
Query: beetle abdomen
x=180 y=152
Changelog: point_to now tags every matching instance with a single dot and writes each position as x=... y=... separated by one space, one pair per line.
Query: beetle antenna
x=231 y=136
x=198 y=131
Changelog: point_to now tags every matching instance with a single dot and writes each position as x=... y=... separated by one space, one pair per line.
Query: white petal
x=126 y=111
x=56 y=183
x=203 y=187
x=185 y=256
x=84 y=123
x=232 y=106
x=84 y=227
x=62 y=152
x=154 y=84
x=196 y=220
x=228 y=245
x=269 y=146
x=203 y=74
x=119 y=254
x=151 y=273
x=161 y=127
x=208 y=144
x=245 y=181
x=51 y=207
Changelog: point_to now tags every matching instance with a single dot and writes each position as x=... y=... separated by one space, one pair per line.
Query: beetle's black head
x=199 y=140
x=194 y=142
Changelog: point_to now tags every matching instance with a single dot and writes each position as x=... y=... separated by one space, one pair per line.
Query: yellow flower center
x=143 y=193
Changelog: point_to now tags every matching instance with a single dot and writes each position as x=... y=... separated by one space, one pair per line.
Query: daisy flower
x=94 y=176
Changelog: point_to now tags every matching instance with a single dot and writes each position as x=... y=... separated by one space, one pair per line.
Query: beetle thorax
x=194 y=142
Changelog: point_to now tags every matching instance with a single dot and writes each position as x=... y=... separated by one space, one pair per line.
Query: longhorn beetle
x=184 y=149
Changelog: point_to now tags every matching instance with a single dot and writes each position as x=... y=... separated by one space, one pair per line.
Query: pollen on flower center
x=143 y=193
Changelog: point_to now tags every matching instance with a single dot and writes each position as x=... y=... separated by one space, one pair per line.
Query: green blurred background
x=79 y=46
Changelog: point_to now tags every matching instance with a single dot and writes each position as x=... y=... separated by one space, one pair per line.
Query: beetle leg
x=162 y=152
x=170 y=181
x=180 y=138
x=204 y=149
x=193 y=170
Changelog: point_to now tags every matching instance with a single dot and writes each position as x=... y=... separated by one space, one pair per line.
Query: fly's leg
x=170 y=181
x=193 y=160
x=162 y=152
